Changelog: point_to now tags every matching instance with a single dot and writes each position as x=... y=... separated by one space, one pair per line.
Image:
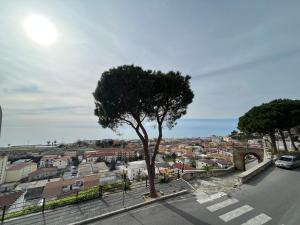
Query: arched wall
x=239 y=154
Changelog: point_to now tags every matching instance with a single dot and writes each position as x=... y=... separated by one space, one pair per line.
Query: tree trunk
x=292 y=140
x=283 y=140
x=273 y=142
x=150 y=168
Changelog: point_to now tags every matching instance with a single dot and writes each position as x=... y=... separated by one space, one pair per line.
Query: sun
x=40 y=30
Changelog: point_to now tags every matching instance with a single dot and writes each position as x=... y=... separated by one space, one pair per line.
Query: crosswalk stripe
x=221 y=205
x=258 y=220
x=235 y=213
x=211 y=197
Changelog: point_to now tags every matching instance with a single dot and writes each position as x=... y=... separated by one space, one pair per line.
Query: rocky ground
x=211 y=185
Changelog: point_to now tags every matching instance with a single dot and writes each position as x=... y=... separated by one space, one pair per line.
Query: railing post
x=43 y=209
x=147 y=182
x=77 y=197
x=178 y=176
x=100 y=191
x=164 y=177
x=3 y=214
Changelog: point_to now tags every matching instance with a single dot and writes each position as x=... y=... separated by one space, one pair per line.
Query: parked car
x=288 y=161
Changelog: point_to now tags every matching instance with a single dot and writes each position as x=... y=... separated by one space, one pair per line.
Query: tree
x=75 y=161
x=288 y=111
x=260 y=119
x=279 y=114
x=129 y=95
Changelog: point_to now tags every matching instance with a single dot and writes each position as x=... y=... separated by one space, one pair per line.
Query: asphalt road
x=271 y=198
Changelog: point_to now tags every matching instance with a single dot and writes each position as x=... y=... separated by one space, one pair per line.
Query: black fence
x=116 y=193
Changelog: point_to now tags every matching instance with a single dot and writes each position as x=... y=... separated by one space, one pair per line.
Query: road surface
x=271 y=198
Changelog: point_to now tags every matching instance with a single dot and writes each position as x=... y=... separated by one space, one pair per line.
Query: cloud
x=249 y=64
x=23 y=89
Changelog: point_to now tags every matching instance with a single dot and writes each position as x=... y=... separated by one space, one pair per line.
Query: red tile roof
x=18 y=166
x=55 y=189
x=185 y=167
x=7 y=199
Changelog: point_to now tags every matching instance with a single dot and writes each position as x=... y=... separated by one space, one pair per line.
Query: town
x=30 y=174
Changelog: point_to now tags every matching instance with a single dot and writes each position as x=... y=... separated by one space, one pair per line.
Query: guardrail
x=248 y=174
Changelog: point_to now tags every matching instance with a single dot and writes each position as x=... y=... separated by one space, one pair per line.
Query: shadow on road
x=185 y=215
x=258 y=178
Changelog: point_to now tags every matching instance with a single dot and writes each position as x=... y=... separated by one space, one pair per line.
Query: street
x=271 y=198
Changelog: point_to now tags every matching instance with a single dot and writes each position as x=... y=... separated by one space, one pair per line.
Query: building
x=71 y=153
x=181 y=166
x=85 y=169
x=223 y=164
x=61 y=162
x=111 y=154
x=3 y=163
x=204 y=162
x=13 y=201
x=43 y=173
x=34 y=189
x=62 y=188
x=137 y=168
x=19 y=171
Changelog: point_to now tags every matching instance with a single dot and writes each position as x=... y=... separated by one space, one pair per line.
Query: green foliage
x=266 y=118
x=75 y=161
x=208 y=169
x=83 y=195
x=129 y=93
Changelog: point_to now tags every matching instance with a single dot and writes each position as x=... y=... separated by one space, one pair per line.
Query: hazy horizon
x=52 y=53
x=186 y=128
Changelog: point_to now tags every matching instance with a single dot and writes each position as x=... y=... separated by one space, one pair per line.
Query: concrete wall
x=188 y=175
x=247 y=175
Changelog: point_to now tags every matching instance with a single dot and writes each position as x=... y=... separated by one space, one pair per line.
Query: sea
x=185 y=128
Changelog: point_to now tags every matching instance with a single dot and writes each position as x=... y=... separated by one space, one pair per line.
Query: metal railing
x=111 y=191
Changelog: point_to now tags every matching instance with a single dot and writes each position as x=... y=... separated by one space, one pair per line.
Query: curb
x=105 y=215
x=188 y=183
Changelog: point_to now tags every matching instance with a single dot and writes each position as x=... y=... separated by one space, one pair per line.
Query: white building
x=61 y=162
x=204 y=162
x=137 y=168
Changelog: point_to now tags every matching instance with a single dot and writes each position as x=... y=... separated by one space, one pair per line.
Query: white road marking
x=221 y=205
x=235 y=213
x=258 y=220
x=211 y=197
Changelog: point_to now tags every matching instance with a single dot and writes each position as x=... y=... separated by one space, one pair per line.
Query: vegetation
x=84 y=195
x=129 y=95
x=75 y=161
x=269 y=118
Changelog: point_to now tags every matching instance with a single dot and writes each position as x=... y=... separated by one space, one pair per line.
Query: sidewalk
x=109 y=203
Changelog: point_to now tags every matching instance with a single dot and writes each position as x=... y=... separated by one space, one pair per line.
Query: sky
x=238 y=53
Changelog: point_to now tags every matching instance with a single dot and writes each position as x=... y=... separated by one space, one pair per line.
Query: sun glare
x=40 y=30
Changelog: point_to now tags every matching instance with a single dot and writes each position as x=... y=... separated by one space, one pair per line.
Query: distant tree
x=130 y=95
x=260 y=119
x=79 y=143
x=288 y=112
x=279 y=114
x=112 y=166
x=75 y=161
x=48 y=142
x=55 y=142
x=174 y=156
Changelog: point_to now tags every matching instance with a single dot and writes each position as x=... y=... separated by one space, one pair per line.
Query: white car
x=288 y=161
